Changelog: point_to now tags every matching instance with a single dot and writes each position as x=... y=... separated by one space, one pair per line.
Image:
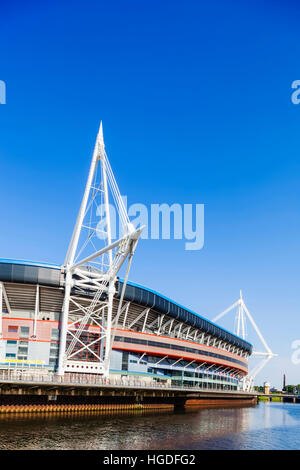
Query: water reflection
x=266 y=426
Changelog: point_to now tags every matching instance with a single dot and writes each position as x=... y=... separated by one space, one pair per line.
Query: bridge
x=284 y=397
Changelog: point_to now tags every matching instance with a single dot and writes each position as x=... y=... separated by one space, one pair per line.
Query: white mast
x=266 y=355
x=91 y=266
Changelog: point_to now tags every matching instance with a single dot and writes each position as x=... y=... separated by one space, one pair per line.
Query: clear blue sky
x=195 y=98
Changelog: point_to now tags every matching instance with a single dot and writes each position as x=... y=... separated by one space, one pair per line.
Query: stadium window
x=24 y=331
x=11 y=342
x=54 y=334
x=125 y=360
x=22 y=350
x=10 y=355
x=152 y=359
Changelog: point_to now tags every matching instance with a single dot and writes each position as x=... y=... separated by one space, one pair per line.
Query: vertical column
x=36 y=311
x=111 y=291
x=64 y=324
x=111 y=286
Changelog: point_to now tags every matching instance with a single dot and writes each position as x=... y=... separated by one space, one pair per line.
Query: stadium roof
x=30 y=272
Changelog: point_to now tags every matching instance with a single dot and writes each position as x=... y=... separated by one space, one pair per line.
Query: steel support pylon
x=242 y=313
x=92 y=263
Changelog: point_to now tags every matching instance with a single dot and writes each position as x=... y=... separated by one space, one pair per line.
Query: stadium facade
x=155 y=339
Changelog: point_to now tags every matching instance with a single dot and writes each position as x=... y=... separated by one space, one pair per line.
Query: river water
x=262 y=426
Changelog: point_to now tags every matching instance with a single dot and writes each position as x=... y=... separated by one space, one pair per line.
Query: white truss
x=242 y=313
x=92 y=263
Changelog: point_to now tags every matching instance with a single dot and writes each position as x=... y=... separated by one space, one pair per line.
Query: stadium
x=82 y=319
x=156 y=338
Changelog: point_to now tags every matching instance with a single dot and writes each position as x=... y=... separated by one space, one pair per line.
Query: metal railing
x=17 y=376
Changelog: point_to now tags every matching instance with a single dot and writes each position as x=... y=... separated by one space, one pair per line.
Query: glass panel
x=24 y=331
x=54 y=333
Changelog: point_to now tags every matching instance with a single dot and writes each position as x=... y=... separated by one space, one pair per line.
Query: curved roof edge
x=142 y=295
x=31 y=272
x=29 y=263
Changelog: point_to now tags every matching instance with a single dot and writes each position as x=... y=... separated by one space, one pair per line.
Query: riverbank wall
x=17 y=397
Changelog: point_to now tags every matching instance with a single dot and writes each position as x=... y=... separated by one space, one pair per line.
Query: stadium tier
x=155 y=338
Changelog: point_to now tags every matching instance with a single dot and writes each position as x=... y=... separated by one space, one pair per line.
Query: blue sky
x=195 y=99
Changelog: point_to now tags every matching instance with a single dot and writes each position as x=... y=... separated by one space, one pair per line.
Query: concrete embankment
x=39 y=398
